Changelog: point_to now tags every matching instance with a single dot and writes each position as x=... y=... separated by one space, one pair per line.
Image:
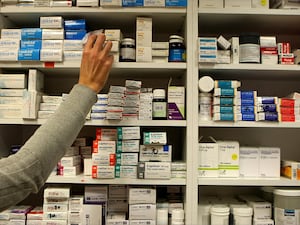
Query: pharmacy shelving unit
x=268 y=80
x=60 y=77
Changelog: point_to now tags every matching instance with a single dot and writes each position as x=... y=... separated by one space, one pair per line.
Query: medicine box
x=249 y=161
x=126 y=171
x=228 y=158
x=208 y=158
x=103 y=172
x=30 y=44
x=52 y=192
x=104 y=146
x=176 y=3
x=290 y=169
x=159 y=153
x=51 y=22
x=141 y=195
x=214 y=4
x=154 y=3
x=132 y=3
x=95 y=194
x=31 y=33
x=79 y=24
x=142 y=212
x=13 y=81
x=125 y=133
x=110 y=3
x=176 y=102
x=245 y=4
x=29 y=55
x=58 y=207
x=155 y=138
x=260 y=4
x=9 y=43
x=9 y=33
x=269 y=165
x=74 y=34
x=128 y=146
x=154 y=170
x=127 y=159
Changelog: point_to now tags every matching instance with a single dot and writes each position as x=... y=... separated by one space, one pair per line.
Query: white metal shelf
x=81 y=179
x=254 y=124
x=255 y=12
x=248 y=182
x=141 y=123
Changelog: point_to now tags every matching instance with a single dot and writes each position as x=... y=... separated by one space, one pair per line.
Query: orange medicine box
x=290 y=169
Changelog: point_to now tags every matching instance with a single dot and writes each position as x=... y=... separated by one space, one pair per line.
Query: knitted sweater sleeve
x=26 y=171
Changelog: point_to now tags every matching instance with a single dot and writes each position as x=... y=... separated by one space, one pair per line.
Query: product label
x=287 y=216
x=127 y=54
x=159 y=109
x=176 y=55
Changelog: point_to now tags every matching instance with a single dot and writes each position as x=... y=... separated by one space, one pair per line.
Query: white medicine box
x=260 y=4
x=229 y=158
x=244 y=4
x=213 y=4
x=269 y=165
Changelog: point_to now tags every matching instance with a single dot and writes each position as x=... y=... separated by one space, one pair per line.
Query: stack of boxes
x=116 y=102
x=35 y=216
x=56 y=205
x=267 y=108
x=9 y=44
x=18 y=214
x=155 y=156
x=178 y=169
x=131 y=100
x=247 y=103
x=142 y=206
x=12 y=89
x=53 y=36
x=70 y=163
x=143 y=39
x=99 y=109
x=117 y=206
x=115 y=36
x=87 y=3
x=208 y=48
x=48 y=105
x=160 y=52
x=104 y=154
x=268 y=50
x=285 y=56
x=127 y=155
x=75 y=210
x=4 y=216
x=145 y=108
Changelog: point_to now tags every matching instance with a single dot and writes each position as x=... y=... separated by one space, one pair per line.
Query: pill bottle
x=205 y=106
x=287 y=206
x=159 y=105
x=204 y=214
x=206 y=84
x=242 y=215
x=162 y=216
x=249 y=48
x=127 y=50
x=177 y=52
x=219 y=214
x=177 y=217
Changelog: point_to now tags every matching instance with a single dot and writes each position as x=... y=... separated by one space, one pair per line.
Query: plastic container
x=127 y=50
x=162 y=216
x=204 y=214
x=242 y=215
x=205 y=106
x=177 y=217
x=219 y=214
x=287 y=206
x=159 y=104
x=249 y=48
x=177 y=52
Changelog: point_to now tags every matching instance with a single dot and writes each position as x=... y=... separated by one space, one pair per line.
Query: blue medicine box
x=74 y=34
x=176 y=3
x=29 y=55
x=75 y=24
x=132 y=3
x=31 y=33
x=31 y=44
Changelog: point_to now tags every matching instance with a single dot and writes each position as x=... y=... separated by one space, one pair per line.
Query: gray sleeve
x=26 y=171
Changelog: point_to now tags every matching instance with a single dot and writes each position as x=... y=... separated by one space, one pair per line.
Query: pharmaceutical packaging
x=51 y=44
x=13 y=81
x=9 y=33
x=110 y=3
x=127 y=159
x=104 y=146
x=176 y=3
x=228 y=158
x=132 y=3
x=290 y=169
x=72 y=55
x=144 y=38
x=225 y=92
x=178 y=174
x=261 y=209
x=70 y=160
x=219 y=214
x=246 y=4
x=72 y=45
x=87 y=166
x=52 y=99
x=76 y=203
x=29 y=55
x=263 y=222
x=74 y=34
x=206 y=84
x=139 y=195
x=143 y=54
x=103 y=172
x=223 y=56
x=214 y=4
x=178 y=166
x=11 y=100
x=249 y=49
x=260 y=4
x=56 y=215
x=223 y=43
x=9 y=43
x=35 y=80
x=31 y=33
x=176 y=103
x=72 y=150
x=11 y=111
x=103 y=159
x=95 y=194
x=127 y=50
x=204 y=213
x=142 y=211
x=115 y=46
x=30 y=44
x=160 y=52
x=154 y=170
x=154 y=3
x=269 y=162
x=242 y=215
x=128 y=146
x=55 y=222
x=35 y=214
x=44 y=106
x=126 y=133
x=51 y=22
x=158 y=153
x=52 y=192
x=117 y=222
x=249 y=161
x=113 y=34
x=78 y=24
x=87 y=3
x=160 y=45
x=93 y=213
x=116 y=89
x=207 y=47
x=155 y=138
x=62 y=3
x=286 y=58
x=235 y=50
x=177 y=50
x=177 y=217
x=53 y=34
x=11 y=92
x=126 y=171
x=208 y=158
x=44 y=114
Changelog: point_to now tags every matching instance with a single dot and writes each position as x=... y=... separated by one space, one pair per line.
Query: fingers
x=99 y=42
x=90 y=42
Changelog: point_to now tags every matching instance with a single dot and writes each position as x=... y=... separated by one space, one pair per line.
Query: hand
x=96 y=62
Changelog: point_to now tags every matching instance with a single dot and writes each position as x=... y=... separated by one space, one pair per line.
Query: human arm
x=26 y=171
